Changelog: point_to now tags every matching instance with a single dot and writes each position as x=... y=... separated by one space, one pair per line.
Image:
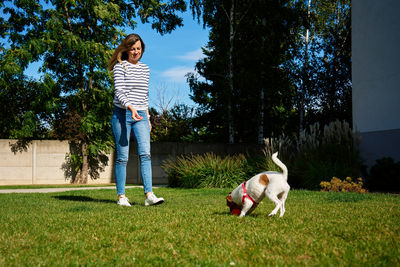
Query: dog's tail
x=280 y=164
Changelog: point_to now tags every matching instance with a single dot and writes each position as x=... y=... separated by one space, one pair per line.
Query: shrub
x=347 y=185
x=384 y=176
x=207 y=170
x=260 y=162
x=318 y=153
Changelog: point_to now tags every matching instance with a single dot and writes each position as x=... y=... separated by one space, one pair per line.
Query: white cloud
x=192 y=55
x=177 y=74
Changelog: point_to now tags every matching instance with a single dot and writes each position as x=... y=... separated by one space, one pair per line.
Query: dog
x=245 y=198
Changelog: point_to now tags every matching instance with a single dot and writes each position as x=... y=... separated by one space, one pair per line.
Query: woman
x=131 y=114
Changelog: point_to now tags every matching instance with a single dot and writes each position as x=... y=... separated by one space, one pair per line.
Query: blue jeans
x=122 y=125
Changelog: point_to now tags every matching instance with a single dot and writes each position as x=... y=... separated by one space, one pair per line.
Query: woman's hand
x=135 y=114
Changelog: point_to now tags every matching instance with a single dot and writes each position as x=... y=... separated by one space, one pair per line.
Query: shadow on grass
x=254 y=215
x=83 y=199
x=222 y=213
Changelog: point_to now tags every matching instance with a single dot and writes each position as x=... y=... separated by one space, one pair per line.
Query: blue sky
x=169 y=57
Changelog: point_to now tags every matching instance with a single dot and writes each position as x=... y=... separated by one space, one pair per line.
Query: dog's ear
x=264 y=179
x=229 y=198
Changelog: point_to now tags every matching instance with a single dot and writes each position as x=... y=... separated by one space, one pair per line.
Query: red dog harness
x=246 y=195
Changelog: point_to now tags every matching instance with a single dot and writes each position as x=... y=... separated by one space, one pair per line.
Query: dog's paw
x=271 y=214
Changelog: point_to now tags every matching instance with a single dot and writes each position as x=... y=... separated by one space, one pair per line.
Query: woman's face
x=135 y=52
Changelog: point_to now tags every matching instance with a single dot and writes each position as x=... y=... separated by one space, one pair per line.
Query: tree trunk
x=261 y=120
x=85 y=164
x=82 y=175
x=232 y=24
x=230 y=77
x=305 y=85
x=84 y=147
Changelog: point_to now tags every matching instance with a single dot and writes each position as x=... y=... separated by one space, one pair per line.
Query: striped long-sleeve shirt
x=131 y=83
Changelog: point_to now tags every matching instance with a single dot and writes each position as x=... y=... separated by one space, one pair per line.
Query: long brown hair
x=120 y=52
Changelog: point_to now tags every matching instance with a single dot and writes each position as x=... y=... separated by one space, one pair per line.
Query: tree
x=261 y=94
x=321 y=68
x=335 y=75
x=173 y=125
x=234 y=18
x=305 y=70
x=74 y=40
x=27 y=104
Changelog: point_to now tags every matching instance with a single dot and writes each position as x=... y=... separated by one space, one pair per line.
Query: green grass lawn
x=194 y=227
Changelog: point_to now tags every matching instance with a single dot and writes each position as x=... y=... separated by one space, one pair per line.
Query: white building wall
x=376 y=77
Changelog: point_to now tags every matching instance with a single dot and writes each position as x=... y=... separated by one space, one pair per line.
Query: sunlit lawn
x=193 y=227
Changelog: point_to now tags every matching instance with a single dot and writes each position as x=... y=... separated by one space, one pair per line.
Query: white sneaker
x=124 y=201
x=153 y=200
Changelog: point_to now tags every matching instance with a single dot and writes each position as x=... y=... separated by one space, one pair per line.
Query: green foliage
x=194 y=228
x=321 y=66
x=313 y=166
x=291 y=67
x=178 y=124
x=384 y=176
x=253 y=43
x=205 y=171
x=27 y=104
x=260 y=162
x=74 y=40
x=213 y=171
x=318 y=154
x=174 y=125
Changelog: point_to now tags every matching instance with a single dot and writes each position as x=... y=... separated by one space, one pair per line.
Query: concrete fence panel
x=15 y=168
x=44 y=162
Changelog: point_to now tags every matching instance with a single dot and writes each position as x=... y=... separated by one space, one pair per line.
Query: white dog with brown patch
x=246 y=197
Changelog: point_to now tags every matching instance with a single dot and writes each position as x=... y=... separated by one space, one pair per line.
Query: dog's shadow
x=83 y=199
x=223 y=213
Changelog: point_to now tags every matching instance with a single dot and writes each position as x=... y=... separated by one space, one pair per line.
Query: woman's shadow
x=83 y=199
